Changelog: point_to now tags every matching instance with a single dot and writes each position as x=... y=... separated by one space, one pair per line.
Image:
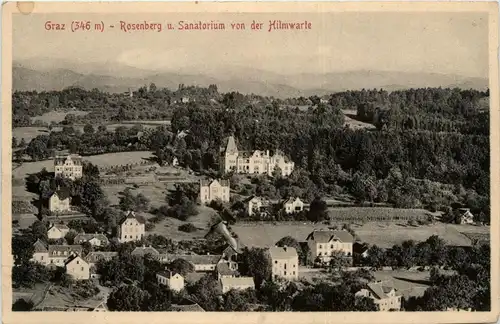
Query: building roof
x=283 y=252
x=88 y=237
x=223 y=269
x=187 y=308
x=132 y=215
x=143 y=250
x=327 y=236
x=168 y=274
x=230 y=146
x=237 y=281
x=196 y=259
x=291 y=200
x=94 y=257
x=381 y=289
x=72 y=258
x=59 y=227
x=360 y=247
x=40 y=246
x=206 y=183
x=62 y=194
x=65 y=248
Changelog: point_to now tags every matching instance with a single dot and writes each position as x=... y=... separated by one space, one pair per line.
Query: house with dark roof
x=324 y=243
x=285 y=262
x=94 y=257
x=60 y=201
x=174 y=281
x=58 y=254
x=227 y=269
x=292 y=205
x=201 y=263
x=131 y=228
x=95 y=239
x=255 y=205
x=41 y=252
x=77 y=268
x=384 y=295
x=214 y=190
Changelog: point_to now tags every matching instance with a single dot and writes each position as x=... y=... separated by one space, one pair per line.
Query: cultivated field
x=57 y=116
x=350 y=121
x=355 y=214
x=382 y=234
x=29 y=133
x=102 y=160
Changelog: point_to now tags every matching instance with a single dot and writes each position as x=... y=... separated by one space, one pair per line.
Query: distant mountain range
x=45 y=75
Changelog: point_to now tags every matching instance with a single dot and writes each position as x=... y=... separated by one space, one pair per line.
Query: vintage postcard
x=250 y=162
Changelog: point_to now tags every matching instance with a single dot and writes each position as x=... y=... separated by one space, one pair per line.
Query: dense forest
x=430 y=148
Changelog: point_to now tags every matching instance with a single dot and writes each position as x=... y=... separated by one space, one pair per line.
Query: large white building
x=131 y=228
x=68 y=165
x=214 y=190
x=257 y=162
x=323 y=244
x=285 y=262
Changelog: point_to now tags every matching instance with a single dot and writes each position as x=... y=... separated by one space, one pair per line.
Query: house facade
x=95 y=239
x=285 y=263
x=257 y=162
x=40 y=252
x=77 y=268
x=237 y=283
x=293 y=205
x=214 y=190
x=256 y=205
x=58 y=254
x=131 y=228
x=60 y=201
x=68 y=166
x=383 y=294
x=323 y=244
x=57 y=231
x=173 y=281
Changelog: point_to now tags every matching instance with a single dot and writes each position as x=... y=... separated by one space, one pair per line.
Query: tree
x=181 y=266
x=21 y=305
x=28 y=274
x=318 y=210
x=338 y=261
x=256 y=263
x=92 y=198
x=128 y=298
x=22 y=249
x=159 y=299
x=88 y=129
x=206 y=292
x=39 y=230
x=237 y=301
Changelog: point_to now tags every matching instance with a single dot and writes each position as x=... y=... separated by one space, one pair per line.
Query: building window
x=285 y=266
x=276 y=262
x=331 y=246
x=82 y=268
x=294 y=273
x=320 y=246
x=77 y=262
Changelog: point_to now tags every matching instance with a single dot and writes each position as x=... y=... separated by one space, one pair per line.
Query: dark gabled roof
x=223 y=269
x=205 y=183
x=71 y=258
x=360 y=247
x=380 y=289
x=65 y=248
x=327 y=236
x=40 y=246
x=62 y=193
x=132 y=215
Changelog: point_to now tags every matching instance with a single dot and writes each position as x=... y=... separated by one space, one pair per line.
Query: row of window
x=132 y=236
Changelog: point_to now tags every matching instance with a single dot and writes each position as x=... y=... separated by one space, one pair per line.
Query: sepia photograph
x=250 y=161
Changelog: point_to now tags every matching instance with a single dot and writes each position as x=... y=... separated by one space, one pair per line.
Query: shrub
x=189 y=228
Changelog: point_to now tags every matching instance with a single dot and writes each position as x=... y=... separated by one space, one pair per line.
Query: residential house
x=175 y=162
x=201 y=263
x=324 y=243
x=465 y=216
x=144 y=250
x=285 y=263
x=256 y=162
x=214 y=190
x=227 y=270
x=237 y=283
x=77 y=267
x=256 y=205
x=60 y=201
x=361 y=249
x=101 y=307
x=57 y=231
x=186 y=306
x=58 y=254
x=173 y=281
x=40 y=253
x=383 y=294
x=131 y=228
x=94 y=257
x=292 y=205
x=95 y=239
x=68 y=165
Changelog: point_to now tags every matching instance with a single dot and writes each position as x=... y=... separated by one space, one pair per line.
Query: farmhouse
x=383 y=295
x=131 y=228
x=68 y=165
x=285 y=263
x=40 y=253
x=238 y=283
x=257 y=162
x=214 y=190
x=58 y=254
x=227 y=270
x=173 y=281
x=78 y=268
x=93 y=239
x=57 y=231
x=59 y=201
x=324 y=243
x=292 y=205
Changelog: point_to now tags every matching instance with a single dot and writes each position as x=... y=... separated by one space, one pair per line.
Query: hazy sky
x=450 y=43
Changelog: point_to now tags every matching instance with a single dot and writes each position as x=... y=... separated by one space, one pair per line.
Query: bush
x=189 y=228
x=149 y=227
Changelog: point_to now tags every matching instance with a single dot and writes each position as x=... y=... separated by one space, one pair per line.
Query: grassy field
x=374 y=213
x=349 y=120
x=382 y=234
x=62 y=297
x=57 y=116
x=28 y=133
x=101 y=160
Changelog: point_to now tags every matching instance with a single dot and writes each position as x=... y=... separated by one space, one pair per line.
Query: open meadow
x=57 y=116
x=382 y=234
